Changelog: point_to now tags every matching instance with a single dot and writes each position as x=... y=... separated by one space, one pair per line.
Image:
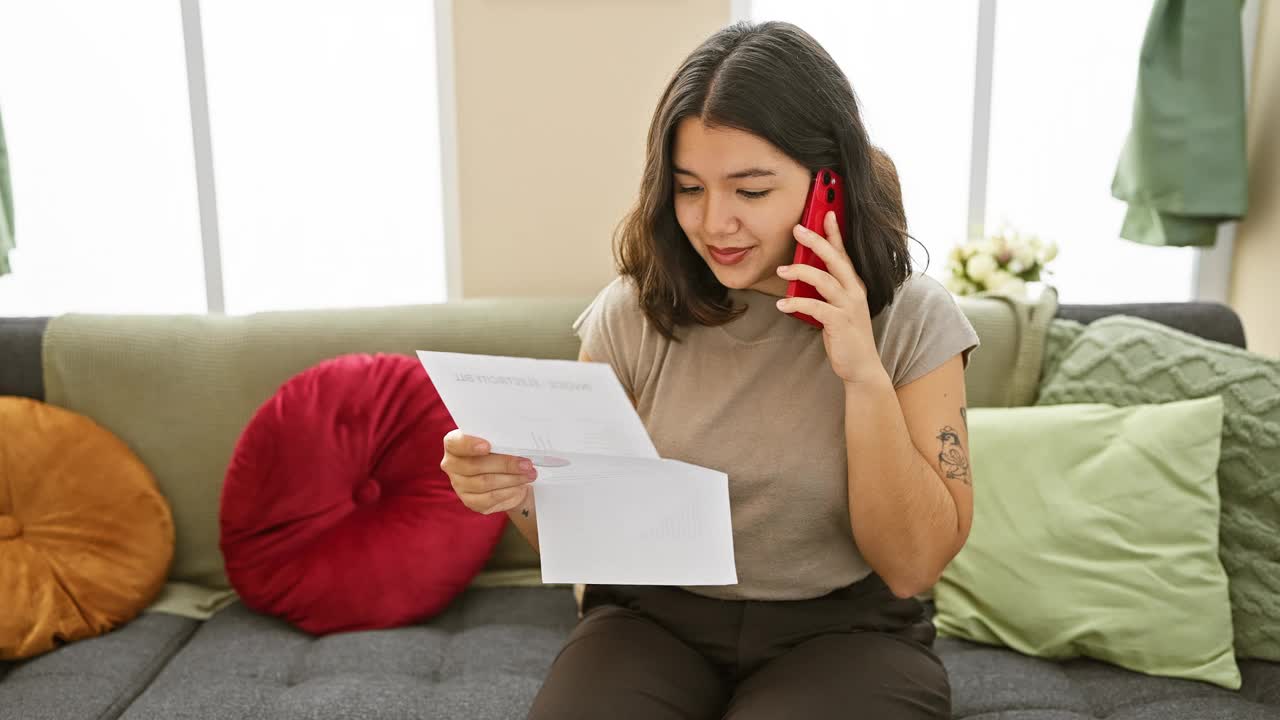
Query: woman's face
x=735 y=191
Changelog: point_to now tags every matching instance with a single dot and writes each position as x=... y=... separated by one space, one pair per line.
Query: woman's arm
x=910 y=489
x=526 y=520
x=910 y=503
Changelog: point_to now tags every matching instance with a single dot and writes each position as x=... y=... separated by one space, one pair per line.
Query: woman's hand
x=846 y=321
x=485 y=482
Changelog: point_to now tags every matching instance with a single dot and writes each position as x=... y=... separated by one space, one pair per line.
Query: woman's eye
x=754 y=195
x=689 y=189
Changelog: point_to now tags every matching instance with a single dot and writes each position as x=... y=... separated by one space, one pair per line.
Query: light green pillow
x=1095 y=534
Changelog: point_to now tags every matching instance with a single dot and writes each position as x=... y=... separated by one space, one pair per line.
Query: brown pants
x=662 y=652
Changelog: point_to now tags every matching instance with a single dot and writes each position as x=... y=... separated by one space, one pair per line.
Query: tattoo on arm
x=955 y=466
x=965 y=417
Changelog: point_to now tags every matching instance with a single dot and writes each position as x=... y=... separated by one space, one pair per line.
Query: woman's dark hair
x=774 y=81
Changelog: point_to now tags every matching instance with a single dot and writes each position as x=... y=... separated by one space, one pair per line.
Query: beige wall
x=1255 y=273
x=553 y=103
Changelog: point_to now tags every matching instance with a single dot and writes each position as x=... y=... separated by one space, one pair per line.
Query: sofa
x=178 y=389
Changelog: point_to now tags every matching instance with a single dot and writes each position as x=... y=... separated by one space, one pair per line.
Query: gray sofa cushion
x=992 y=682
x=485 y=657
x=94 y=678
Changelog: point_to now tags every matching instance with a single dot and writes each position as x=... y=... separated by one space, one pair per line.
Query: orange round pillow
x=85 y=537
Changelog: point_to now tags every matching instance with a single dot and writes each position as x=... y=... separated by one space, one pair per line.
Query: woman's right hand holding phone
x=485 y=481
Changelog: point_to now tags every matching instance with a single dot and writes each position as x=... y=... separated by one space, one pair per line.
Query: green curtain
x=6 y=207
x=1182 y=170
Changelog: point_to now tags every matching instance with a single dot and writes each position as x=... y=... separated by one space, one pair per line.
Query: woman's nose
x=718 y=215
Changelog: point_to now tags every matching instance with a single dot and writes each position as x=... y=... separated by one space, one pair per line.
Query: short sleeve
x=921 y=329
x=611 y=327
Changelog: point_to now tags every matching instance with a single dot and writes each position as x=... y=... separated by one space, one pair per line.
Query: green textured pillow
x=1122 y=360
x=1095 y=533
x=1059 y=336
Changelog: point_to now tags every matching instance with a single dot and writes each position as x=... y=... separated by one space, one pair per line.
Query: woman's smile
x=730 y=256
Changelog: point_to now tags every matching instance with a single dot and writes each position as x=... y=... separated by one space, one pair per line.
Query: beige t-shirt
x=757 y=399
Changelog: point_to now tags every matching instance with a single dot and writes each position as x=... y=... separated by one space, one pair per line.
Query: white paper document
x=610 y=510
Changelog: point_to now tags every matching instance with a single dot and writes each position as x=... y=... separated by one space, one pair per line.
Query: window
x=1061 y=103
x=324 y=127
x=326 y=152
x=94 y=97
x=1062 y=91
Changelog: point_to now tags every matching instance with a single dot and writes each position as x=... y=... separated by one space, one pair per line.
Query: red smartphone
x=826 y=193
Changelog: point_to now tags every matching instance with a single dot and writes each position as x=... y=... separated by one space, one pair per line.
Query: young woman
x=846 y=446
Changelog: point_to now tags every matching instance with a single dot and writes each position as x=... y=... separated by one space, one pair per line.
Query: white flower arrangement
x=1001 y=263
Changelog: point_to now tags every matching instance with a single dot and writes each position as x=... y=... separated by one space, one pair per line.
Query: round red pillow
x=335 y=514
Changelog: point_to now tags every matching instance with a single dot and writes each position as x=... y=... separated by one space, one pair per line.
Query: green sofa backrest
x=179 y=389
